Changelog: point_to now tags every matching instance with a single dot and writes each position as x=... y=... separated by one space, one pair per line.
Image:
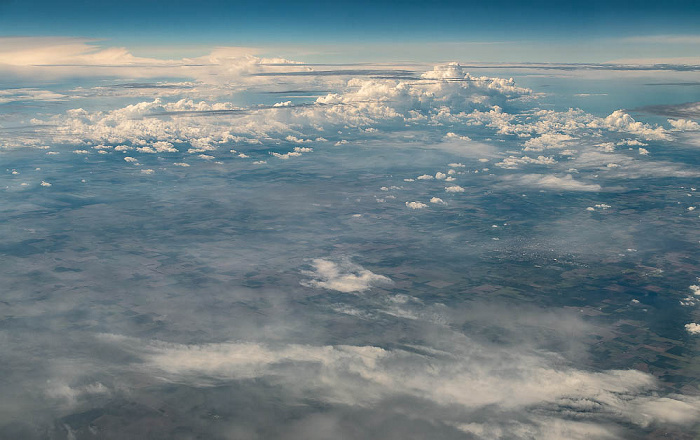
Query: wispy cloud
x=663 y=39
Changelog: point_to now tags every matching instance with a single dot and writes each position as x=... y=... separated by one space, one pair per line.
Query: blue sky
x=225 y=22
x=314 y=31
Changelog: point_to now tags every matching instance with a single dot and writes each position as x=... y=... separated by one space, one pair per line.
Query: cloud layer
x=234 y=246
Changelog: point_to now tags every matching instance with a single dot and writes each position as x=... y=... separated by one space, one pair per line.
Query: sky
x=502 y=30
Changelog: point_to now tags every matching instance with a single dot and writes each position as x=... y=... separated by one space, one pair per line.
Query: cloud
x=512 y=162
x=397 y=358
x=447 y=87
x=693 y=328
x=343 y=276
x=548 y=141
x=451 y=135
x=70 y=396
x=416 y=205
x=658 y=63
x=38 y=51
x=29 y=94
x=623 y=122
x=566 y=183
x=297 y=140
x=664 y=39
x=303 y=149
x=490 y=392
x=628 y=167
x=164 y=147
x=686 y=110
x=455 y=72
x=51 y=57
x=286 y=156
x=684 y=125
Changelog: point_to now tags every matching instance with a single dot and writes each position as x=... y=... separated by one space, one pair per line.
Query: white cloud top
x=416 y=205
x=693 y=328
x=343 y=276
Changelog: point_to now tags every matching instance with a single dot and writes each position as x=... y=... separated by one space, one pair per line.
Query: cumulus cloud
x=454 y=189
x=416 y=205
x=286 y=156
x=451 y=135
x=512 y=162
x=684 y=124
x=343 y=276
x=621 y=121
x=451 y=72
x=693 y=328
x=164 y=147
x=295 y=139
x=369 y=100
x=548 y=141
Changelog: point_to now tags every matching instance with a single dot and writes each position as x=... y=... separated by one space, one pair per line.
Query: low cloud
x=416 y=205
x=343 y=276
x=474 y=387
x=693 y=328
x=548 y=181
x=684 y=125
